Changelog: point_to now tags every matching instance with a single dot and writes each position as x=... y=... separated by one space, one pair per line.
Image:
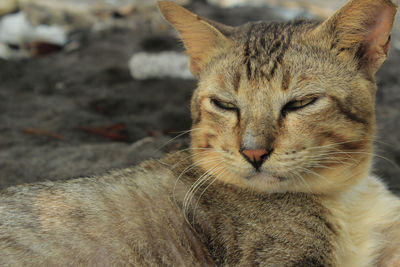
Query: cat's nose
x=256 y=157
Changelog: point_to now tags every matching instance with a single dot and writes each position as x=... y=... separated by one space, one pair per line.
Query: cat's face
x=284 y=107
x=312 y=114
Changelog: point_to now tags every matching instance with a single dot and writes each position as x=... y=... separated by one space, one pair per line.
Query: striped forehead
x=265 y=45
x=258 y=58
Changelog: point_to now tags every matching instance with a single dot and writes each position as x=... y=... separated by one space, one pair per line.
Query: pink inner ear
x=378 y=38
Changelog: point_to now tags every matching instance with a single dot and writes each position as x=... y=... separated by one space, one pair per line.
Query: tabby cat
x=279 y=169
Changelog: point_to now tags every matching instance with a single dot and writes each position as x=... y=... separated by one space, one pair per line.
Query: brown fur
x=123 y=219
x=313 y=200
x=279 y=62
x=114 y=220
x=324 y=148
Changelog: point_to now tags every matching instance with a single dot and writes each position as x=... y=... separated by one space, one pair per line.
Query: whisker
x=179 y=135
x=364 y=153
x=376 y=140
x=191 y=192
x=355 y=152
x=207 y=150
x=202 y=193
x=187 y=131
x=314 y=173
x=193 y=165
x=338 y=143
x=301 y=178
x=322 y=157
x=199 y=179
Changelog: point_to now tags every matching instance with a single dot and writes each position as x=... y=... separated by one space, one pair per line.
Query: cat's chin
x=266 y=182
x=266 y=179
x=257 y=181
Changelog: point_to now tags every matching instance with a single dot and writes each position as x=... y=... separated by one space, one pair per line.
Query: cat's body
x=121 y=219
x=279 y=172
x=116 y=220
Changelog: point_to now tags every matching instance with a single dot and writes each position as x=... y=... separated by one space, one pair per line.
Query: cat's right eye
x=224 y=105
x=298 y=104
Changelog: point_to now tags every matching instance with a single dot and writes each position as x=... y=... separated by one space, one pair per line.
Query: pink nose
x=255 y=155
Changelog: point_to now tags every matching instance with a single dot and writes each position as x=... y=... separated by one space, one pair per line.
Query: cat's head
x=286 y=106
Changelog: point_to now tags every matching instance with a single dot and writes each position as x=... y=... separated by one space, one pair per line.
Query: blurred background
x=92 y=85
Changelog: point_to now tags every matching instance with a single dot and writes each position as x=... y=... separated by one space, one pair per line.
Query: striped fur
x=302 y=90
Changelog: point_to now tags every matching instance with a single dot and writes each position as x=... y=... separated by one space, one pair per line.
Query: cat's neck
x=363 y=213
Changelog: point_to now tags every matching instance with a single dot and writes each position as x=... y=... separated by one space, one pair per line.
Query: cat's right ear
x=201 y=36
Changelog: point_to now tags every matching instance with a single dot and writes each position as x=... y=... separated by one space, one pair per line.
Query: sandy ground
x=51 y=106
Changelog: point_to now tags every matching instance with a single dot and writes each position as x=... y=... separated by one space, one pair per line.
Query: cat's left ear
x=201 y=36
x=361 y=29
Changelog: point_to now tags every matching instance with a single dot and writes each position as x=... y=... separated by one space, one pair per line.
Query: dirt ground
x=56 y=109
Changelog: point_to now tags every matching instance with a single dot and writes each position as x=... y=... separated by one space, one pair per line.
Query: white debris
x=329 y=5
x=291 y=13
x=78 y=14
x=16 y=30
x=285 y=9
x=51 y=34
x=159 y=65
x=289 y=9
x=232 y=3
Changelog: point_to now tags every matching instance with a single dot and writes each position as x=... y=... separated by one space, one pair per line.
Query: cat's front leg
x=390 y=256
x=391 y=259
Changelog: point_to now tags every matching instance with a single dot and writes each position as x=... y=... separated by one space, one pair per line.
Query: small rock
x=9 y=52
x=159 y=65
x=7 y=6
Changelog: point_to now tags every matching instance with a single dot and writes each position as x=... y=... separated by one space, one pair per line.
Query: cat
x=278 y=172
